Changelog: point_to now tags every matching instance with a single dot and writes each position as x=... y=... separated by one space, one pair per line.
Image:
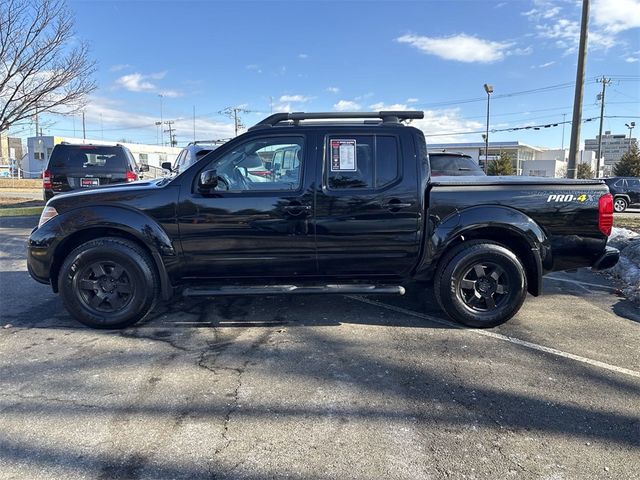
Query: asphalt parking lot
x=319 y=387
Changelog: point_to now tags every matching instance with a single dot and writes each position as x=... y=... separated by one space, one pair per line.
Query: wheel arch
x=115 y=222
x=503 y=225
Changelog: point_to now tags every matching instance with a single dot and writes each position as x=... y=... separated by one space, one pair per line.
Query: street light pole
x=489 y=89
x=630 y=126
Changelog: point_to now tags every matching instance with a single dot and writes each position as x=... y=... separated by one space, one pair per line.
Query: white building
x=40 y=148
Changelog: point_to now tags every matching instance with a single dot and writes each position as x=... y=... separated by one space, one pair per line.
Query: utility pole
x=37 y=121
x=564 y=116
x=232 y=113
x=605 y=82
x=577 y=99
x=172 y=140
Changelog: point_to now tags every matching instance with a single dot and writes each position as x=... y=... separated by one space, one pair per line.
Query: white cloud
x=616 y=16
x=437 y=122
x=282 y=107
x=303 y=56
x=119 y=67
x=544 y=65
x=113 y=116
x=461 y=47
x=347 y=106
x=332 y=89
x=608 y=19
x=376 y=107
x=171 y=93
x=254 y=67
x=138 y=82
x=566 y=35
x=135 y=82
x=631 y=59
x=295 y=98
x=413 y=100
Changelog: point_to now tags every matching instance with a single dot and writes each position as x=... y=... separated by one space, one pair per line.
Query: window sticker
x=343 y=156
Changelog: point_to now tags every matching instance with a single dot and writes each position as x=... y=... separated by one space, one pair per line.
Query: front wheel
x=620 y=204
x=108 y=283
x=481 y=284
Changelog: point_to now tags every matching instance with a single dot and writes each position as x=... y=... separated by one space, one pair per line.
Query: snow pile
x=628 y=268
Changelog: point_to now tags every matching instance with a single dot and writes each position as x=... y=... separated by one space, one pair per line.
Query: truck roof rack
x=389 y=116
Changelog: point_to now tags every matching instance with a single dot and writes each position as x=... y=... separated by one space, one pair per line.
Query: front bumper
x=607 y=260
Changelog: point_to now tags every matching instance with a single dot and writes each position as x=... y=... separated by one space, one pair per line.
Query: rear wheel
x=620 y=204
x=108 y=283
x=481 y=284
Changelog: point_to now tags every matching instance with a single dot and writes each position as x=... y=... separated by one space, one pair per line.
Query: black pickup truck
x=350 y=207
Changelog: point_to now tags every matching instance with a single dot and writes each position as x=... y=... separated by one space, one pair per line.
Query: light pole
x=630 y=126
x=158 y=124
x=161 y=129
x=489 y=89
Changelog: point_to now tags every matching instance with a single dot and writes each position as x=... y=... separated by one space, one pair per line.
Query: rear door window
x=361 y=161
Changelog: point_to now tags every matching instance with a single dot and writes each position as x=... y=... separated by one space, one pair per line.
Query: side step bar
x=293 y=290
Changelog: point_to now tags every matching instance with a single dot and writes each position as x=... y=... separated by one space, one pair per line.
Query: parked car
x=362 y=215
x=453 y=164
x=625 y=191
x=191 y=154
x=74 y=167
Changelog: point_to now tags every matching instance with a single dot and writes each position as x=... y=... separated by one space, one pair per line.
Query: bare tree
x=43 y=68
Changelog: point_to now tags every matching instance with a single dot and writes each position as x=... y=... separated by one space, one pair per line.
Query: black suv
x=625 y=191
x=73 y=167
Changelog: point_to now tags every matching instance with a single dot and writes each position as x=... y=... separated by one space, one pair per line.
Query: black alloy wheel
x=480 y=283
x=109 y=282
x=104 y=286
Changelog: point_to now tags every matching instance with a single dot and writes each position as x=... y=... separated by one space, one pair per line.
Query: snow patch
x=628 y=268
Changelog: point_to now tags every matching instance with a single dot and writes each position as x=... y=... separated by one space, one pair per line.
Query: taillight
x=605 y=214
x=46 y=180
x=131 y=176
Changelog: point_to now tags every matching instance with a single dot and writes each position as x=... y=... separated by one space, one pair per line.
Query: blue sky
x=338 y=55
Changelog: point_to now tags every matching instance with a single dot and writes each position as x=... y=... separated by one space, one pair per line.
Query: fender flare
x=474 y=221
x=131 y=222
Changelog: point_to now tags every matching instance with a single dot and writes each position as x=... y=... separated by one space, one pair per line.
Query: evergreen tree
x=501 y=166
x=629 y=164
x=584 y=171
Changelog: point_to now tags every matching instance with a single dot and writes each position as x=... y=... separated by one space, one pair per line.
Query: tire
x=620 y=204
x=108 y=283
x=480 y=284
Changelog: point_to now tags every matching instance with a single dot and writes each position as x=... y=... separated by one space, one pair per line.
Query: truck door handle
x=295 y=208
x=396 y=204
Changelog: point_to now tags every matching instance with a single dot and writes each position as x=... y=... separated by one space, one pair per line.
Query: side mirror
x=165 y=166
x=144 y=167
x=208 y=180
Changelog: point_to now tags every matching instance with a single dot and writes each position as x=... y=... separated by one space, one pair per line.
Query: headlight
x=47 y=214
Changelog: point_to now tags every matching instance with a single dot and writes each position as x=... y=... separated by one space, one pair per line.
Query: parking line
x=579 y=283
x=499 y=336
